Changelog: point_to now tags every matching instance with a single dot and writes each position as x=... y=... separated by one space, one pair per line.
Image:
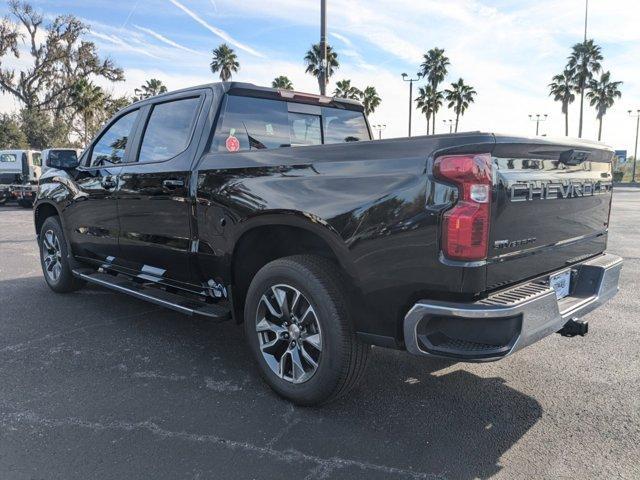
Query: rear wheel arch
x=272 y=238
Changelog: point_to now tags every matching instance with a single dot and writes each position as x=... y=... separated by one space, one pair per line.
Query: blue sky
x=508 y=50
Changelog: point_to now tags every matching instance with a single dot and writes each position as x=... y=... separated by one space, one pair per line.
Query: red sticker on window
x=232 y=144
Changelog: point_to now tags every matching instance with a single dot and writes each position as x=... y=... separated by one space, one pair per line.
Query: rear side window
x=169 y=129
x=252 y=123
x=110 y=148
x=8 y=158
x=344 y=126
x=37 y=159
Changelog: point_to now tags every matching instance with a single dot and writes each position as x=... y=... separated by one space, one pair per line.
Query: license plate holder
x=561 y=283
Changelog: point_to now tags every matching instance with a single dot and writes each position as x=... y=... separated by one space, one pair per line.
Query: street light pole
x=586 y=16
x=379 y=128
x=538 y=118
x=410 y=80
x=450 y=124
x=323 y=47
x=635 y=155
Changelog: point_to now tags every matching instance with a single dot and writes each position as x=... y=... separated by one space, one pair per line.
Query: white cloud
x=123 y=45
x=165 y=40
x=217 y=31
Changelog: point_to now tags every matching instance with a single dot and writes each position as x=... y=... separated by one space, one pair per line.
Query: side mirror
x=65 y=160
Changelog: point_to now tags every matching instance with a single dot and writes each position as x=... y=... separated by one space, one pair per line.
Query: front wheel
x=298 y=326
x=54 y=258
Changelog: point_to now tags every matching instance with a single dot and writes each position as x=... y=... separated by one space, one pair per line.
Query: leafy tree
x=370 y=99
x=224 y=61
x=603 y=94
x=151 y=88
x=42 y=131
x=313 y=60
x=87 y=100
x=11 y=134
x=282 y=82
x=344 y=89
x=584 y=62
x=434 y=69
x=459 y=97
x=562 y=88
x=58 y=58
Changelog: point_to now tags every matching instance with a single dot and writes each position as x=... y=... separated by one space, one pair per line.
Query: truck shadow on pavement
x=102 y=361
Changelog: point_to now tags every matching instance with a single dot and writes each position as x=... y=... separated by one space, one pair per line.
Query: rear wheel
x=54 y=258
x=299 y=328
x=25 y=203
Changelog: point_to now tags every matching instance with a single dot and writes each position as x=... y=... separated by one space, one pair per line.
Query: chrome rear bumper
x=507 y=321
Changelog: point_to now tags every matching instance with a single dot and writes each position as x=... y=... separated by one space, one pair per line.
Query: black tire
x=64 y=281
x=3 y=200
x=342 y=359
x=25 y=203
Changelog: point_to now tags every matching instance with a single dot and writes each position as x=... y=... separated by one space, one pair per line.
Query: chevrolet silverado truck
x=276 y=209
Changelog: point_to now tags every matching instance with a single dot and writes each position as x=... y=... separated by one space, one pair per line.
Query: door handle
x=108 y=183
x=172 y=184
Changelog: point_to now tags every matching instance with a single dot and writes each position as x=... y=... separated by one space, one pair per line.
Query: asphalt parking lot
x=96 y=385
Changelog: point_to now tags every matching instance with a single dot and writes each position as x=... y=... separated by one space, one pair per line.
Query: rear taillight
x=465 y=234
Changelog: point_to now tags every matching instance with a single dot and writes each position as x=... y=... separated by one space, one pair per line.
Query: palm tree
x=87 y=99
x=282 y=82
x=584 y=62
x=370 y=99
x=151 y=88
x=562 y=88
x=423 y=102
x=224 y=61
x=603 y=94
x=434 y=69
x=345 y=90
x=459 y=98
x=313 y=59
x=427 y=100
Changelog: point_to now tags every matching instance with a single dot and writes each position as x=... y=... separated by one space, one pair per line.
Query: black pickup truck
x=277 y=210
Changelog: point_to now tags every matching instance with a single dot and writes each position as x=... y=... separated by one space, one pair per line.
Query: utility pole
x=635 y=155
x=410 y=80
x=379 y=128
x=538 y=118
x=324 y=67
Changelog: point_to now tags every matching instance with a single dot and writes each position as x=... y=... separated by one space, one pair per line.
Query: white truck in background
x=19 y=174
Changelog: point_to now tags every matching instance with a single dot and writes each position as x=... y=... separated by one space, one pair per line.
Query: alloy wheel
x=289 y=333
x=52 y=255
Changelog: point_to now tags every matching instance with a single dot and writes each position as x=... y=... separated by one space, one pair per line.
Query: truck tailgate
x=551 y=207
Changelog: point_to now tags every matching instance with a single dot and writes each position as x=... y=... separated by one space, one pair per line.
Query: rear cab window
x=249 y=123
